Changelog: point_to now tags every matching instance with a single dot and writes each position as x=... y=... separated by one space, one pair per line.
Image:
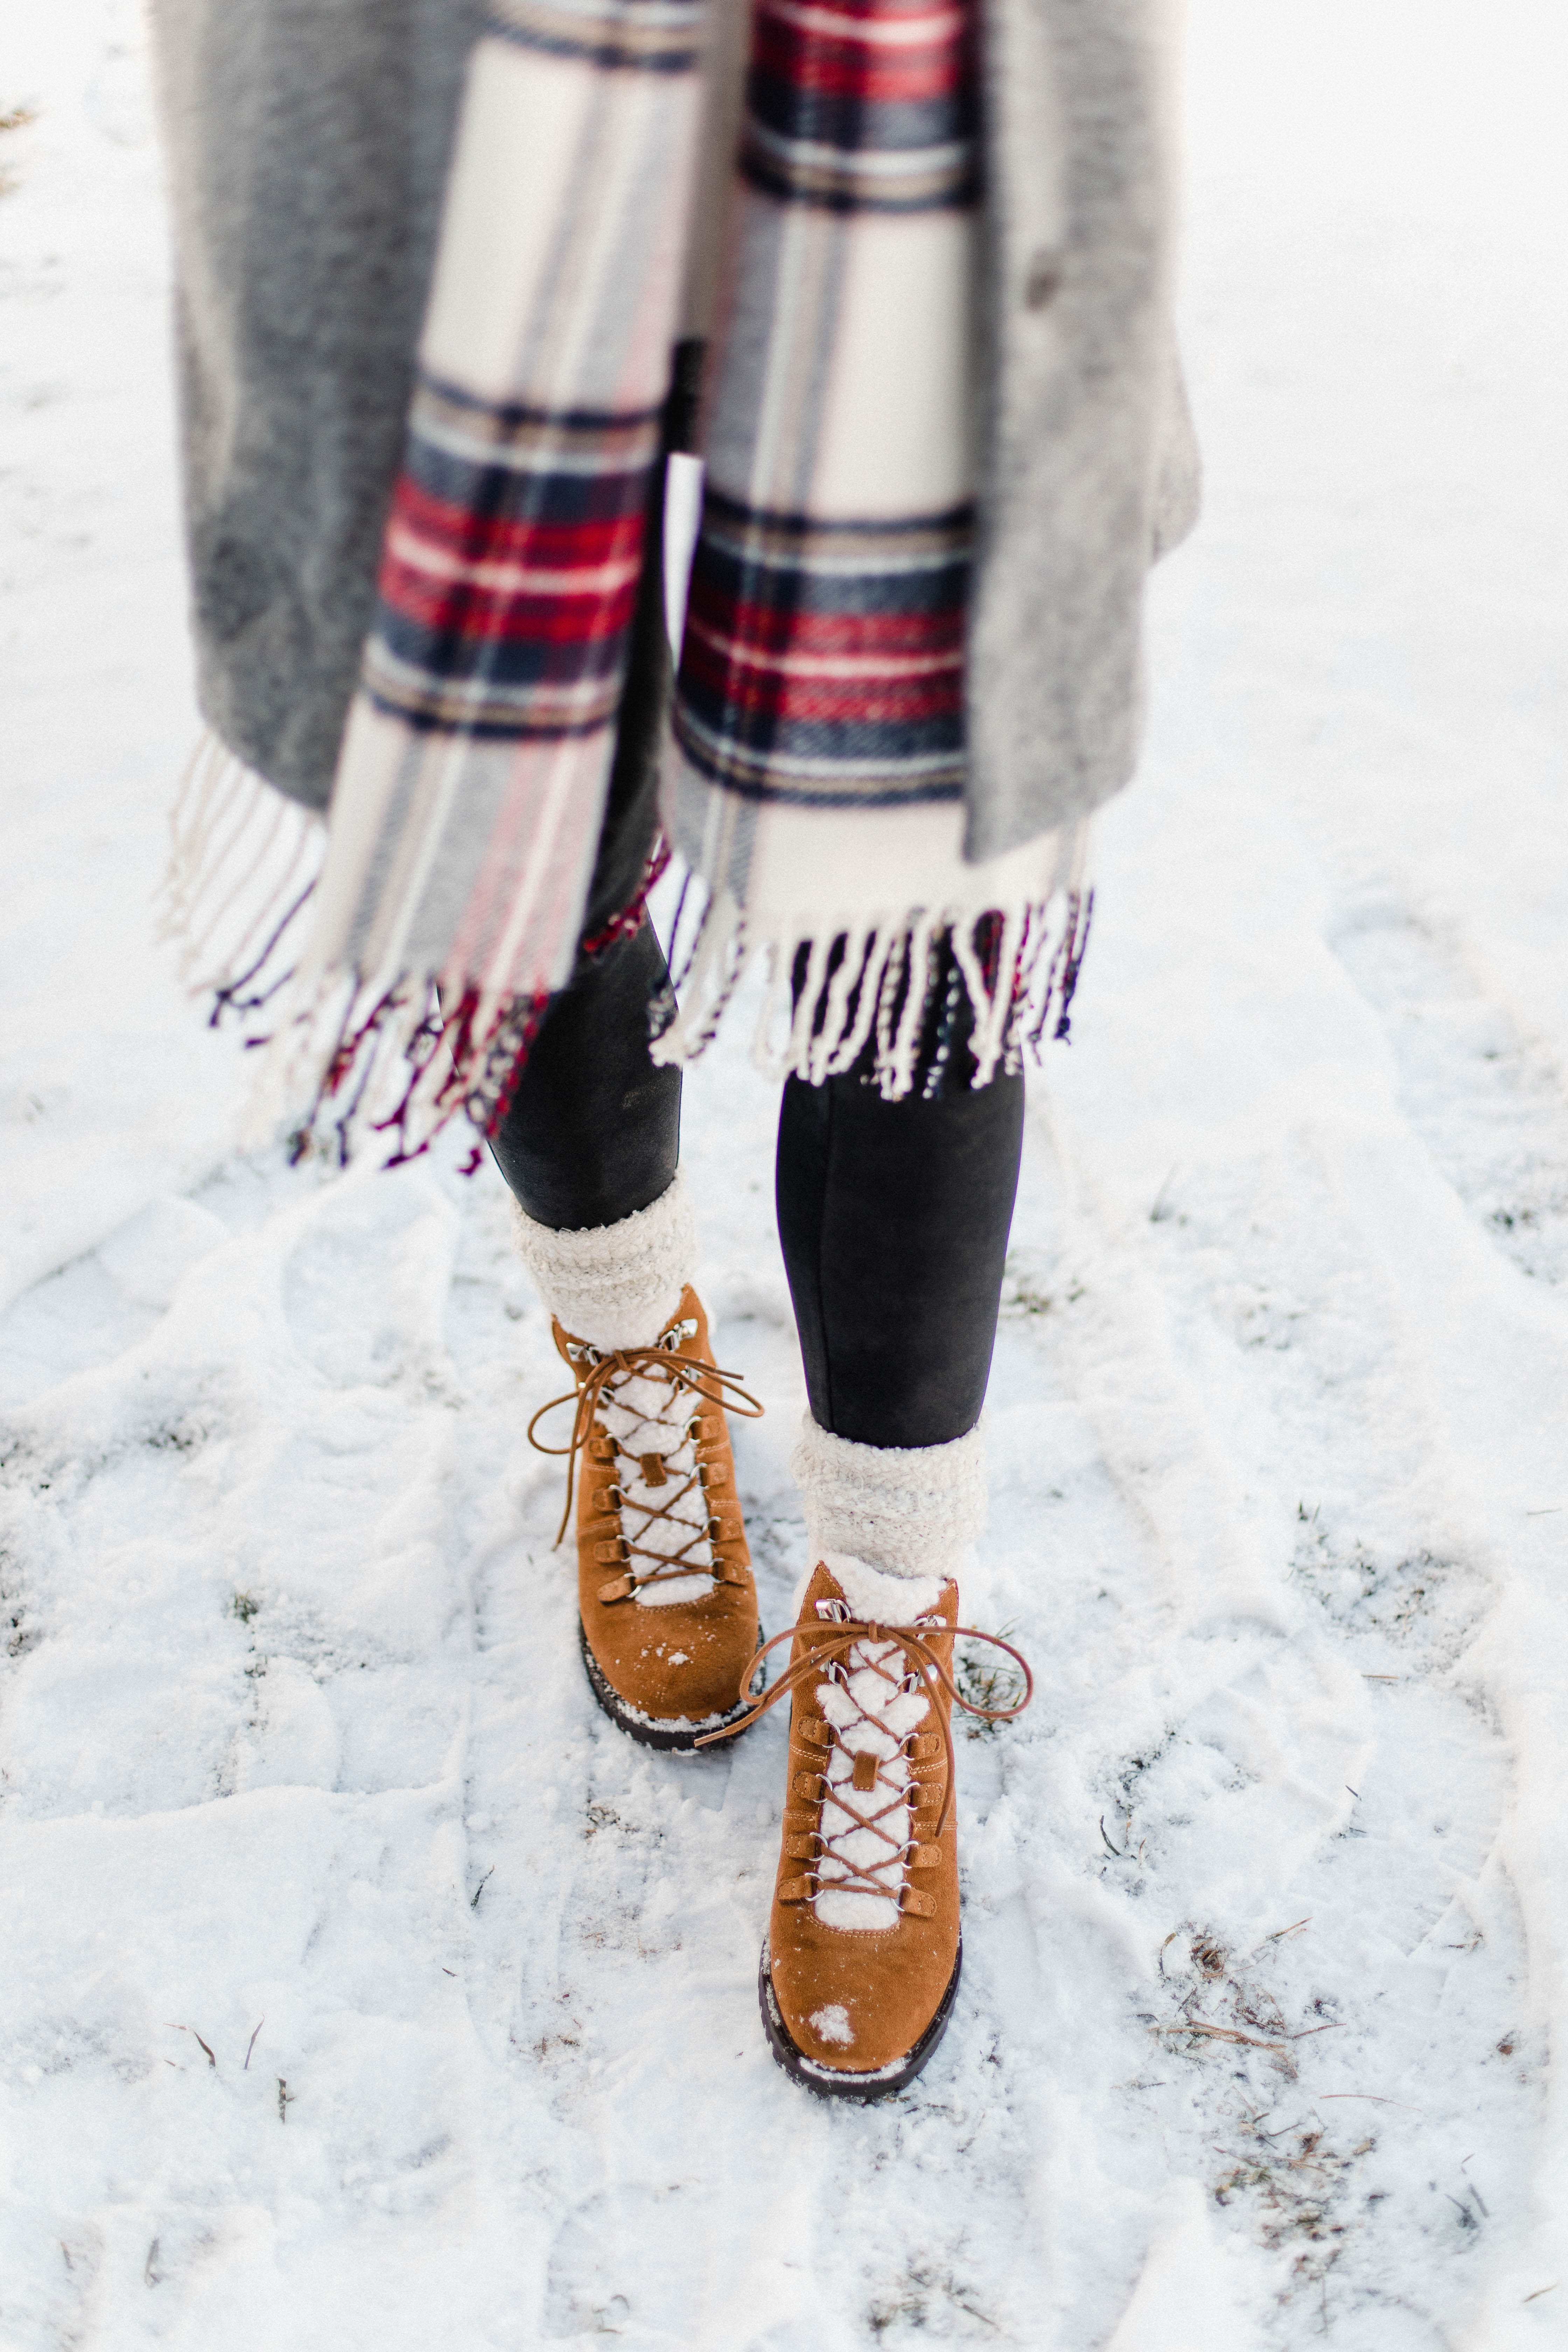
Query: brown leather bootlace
x=826 y=1656
x=606 y=1374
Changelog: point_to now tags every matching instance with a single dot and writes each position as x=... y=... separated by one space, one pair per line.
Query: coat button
x=1044 y=278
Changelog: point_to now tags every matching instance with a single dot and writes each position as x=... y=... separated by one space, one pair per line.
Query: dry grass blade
x=1279 y=1935
x=995 y=1686
x=196 y=2037
x=1222 y=2033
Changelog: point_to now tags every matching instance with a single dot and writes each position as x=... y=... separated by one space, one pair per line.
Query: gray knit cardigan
x=308 y=143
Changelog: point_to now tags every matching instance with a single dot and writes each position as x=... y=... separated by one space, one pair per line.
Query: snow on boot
x=860 y=1967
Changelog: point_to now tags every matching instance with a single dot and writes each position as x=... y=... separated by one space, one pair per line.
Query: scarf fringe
x=829 y=994
x=243 y=864
x=349 y=1067
x=345 y=1067
x=383 y=1071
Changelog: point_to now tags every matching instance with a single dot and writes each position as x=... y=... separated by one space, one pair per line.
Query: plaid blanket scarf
x=813 y=787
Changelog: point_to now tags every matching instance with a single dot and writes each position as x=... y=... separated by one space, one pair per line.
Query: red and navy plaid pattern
x=823 y=662
x=862 y=107
x=510 y=567
x=514 y=545
x=826 y=662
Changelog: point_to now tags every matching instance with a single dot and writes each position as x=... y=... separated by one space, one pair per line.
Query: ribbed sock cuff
x=904 y=1511
x=617 y=1286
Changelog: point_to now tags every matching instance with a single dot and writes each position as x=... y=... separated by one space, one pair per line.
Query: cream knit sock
x=890 y=1522
x=617 y=1286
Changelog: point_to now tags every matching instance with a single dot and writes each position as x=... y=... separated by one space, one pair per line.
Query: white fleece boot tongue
x=664 y=1511
x=874 y=1702
x=878 y=1598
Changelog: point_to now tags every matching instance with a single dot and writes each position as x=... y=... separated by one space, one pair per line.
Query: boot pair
x=861 y=1966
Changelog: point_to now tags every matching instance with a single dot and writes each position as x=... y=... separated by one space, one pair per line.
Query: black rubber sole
x=828 y=2082
x=678 y=1738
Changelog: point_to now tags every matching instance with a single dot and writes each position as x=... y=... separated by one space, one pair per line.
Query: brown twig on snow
x=1253 y=2041
x=1279 y=1933
x=197 y=2038
x=1222 y=2033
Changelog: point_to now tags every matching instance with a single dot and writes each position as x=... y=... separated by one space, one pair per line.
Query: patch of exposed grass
x=15 y=118
x=987 y=1678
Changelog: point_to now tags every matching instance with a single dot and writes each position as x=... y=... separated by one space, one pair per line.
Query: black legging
x=893 y=1216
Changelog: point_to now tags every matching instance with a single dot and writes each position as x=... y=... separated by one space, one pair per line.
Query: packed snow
x=303 y=1799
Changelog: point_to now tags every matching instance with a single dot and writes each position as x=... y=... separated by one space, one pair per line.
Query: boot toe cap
x=683 y=1662
x=858 y=2001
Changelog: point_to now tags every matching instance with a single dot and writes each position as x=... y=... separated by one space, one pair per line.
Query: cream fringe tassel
x=877 y=991
x=242 y=864
x=344 y=1065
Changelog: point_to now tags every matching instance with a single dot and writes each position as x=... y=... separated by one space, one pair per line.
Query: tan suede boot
x=665 y=1592
x=860 y=1967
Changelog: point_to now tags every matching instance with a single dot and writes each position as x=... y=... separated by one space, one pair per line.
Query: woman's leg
x=590 y=1146
x=893 y=1218
x=592 y=1132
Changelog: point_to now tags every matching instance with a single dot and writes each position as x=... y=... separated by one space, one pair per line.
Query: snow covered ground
x=302 y=1797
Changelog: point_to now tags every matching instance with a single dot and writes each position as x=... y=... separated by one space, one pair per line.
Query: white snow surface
x=303 y=1799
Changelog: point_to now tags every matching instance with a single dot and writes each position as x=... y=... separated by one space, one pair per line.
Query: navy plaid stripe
x=862 y=107
x=640 y=35
x=508 y=581
x=834 y=649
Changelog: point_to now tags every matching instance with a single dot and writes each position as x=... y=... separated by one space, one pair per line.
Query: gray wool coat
x=308 y=143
